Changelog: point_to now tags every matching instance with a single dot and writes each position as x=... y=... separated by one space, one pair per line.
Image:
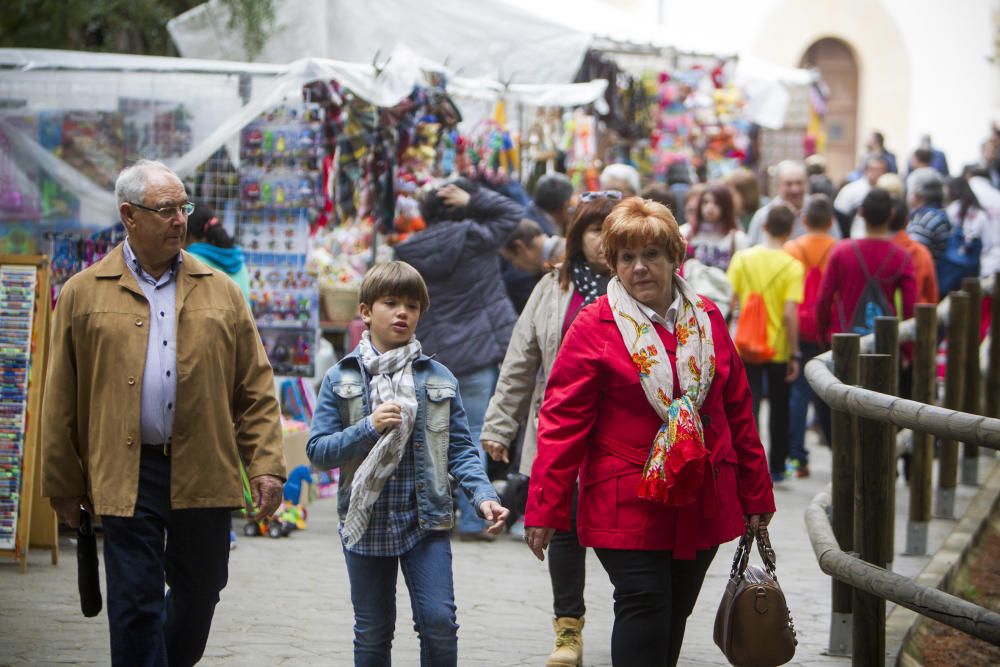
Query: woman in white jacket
x=554 y=304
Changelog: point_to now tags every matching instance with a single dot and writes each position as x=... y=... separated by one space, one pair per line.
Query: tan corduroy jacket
x=533 y=346
x=90 y=414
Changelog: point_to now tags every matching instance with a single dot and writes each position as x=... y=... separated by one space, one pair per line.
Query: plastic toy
x=282 y=523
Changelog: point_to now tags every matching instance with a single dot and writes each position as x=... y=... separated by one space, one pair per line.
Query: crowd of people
x=589 y=367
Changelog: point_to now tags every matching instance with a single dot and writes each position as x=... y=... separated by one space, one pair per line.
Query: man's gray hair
x=617 y=173
x=927 y=184
x=875 y=157
x=786 y=166
x=131 y=183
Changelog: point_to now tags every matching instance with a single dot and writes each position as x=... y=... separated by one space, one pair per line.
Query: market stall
x=312 y=166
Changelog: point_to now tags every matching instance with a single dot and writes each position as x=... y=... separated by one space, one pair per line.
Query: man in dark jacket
x=551 y=210
x=470 y=320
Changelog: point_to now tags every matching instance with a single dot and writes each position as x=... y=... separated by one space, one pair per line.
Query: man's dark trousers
x=187 y=549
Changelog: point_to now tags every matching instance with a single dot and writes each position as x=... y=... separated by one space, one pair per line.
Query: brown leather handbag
x=753 y=626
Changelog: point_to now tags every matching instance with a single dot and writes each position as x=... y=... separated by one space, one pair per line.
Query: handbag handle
x=742 y=556
x=766 y=551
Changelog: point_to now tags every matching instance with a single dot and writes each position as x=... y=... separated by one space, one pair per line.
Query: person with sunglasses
x=157 y=386
x=555 y=302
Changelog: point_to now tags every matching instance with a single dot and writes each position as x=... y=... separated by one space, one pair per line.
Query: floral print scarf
x=675 y=469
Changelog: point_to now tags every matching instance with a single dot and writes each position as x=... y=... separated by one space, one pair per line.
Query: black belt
x=164 y=446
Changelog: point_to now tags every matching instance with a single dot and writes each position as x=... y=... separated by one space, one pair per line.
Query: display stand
x=25 y=309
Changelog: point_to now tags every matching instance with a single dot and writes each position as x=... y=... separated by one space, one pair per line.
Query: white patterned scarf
x=391 y=381
x=675 y=469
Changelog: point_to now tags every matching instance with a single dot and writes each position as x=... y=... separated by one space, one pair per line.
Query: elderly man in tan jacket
x=157 y=386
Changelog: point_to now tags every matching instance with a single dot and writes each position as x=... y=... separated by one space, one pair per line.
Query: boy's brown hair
x=779 y=221
x=397 y=279
x=818 y=212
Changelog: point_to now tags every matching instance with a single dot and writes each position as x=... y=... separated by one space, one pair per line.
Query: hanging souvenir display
x=17 y=299
x=279 y=185
x=700 y=121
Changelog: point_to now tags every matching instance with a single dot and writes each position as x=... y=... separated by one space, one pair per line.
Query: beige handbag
x=753 y=626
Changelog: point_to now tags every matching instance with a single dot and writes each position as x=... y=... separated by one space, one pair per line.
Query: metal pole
x=844 y=434
x=954 y=395
x=922 y=459
x=872 y=488
x=887 y=342
x=973 y=377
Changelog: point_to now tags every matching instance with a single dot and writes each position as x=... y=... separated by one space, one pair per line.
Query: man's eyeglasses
x=602 y=194
x=168 y=212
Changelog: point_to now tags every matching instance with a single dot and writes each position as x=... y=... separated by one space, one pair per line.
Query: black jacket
x=470 y=319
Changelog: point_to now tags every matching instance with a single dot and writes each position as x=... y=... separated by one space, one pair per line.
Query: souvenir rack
x=25 y=309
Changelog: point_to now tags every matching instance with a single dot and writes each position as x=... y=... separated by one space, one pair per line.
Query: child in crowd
x=392 y=420
x=768 y=273
x=714 y=235
x=812 y=249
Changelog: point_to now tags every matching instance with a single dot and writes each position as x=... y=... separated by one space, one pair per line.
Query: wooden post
x=973 y=377
x=922 y=459
x=887 y=342
x=954 y=396
x=844 y=433
x=873 y=480
x=992 y=402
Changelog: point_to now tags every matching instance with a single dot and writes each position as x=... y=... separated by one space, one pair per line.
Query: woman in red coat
x=649 y=404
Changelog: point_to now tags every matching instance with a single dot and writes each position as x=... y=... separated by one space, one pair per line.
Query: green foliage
x=252 y=18
x=119 y=26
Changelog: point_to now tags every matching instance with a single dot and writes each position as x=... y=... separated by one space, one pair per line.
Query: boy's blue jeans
x=477 y=389
x=427 y=572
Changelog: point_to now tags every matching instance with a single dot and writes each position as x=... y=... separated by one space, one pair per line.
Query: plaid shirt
x=394 y=528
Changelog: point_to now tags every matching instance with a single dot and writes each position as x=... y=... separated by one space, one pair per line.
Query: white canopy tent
x=484 y=39
x=221 y=97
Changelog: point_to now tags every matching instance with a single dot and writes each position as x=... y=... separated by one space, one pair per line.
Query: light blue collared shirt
x=159 y=380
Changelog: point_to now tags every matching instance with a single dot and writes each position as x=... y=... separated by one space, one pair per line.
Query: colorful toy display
x=279 y=187
x=17 y=296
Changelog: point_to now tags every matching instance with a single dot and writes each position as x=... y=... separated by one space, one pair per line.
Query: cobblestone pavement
x=287 y=601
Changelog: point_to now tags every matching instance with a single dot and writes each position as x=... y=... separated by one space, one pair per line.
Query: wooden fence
x=851 y=527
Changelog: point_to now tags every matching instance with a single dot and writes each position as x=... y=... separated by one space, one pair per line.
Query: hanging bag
x=873 y=302
x=753 y=626
x=959 y=260
x=808 y=320
x=751 y=337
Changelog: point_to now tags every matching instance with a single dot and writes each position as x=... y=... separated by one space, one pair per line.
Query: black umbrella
x=87 y=567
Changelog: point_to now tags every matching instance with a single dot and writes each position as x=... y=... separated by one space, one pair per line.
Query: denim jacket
x=441 y=439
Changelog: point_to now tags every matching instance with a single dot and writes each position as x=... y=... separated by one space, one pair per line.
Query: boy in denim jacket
x=392 y=420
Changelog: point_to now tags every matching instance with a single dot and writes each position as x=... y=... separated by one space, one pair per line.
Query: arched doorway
x=839 y=68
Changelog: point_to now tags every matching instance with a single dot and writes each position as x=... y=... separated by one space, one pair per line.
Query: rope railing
x=851 y=528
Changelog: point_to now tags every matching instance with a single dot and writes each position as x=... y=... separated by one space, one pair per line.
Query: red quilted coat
x=596 y=423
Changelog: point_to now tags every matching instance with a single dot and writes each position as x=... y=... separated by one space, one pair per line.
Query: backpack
x=751 y=327
x=808 y=321
x=959 y=260
x=872 y=303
